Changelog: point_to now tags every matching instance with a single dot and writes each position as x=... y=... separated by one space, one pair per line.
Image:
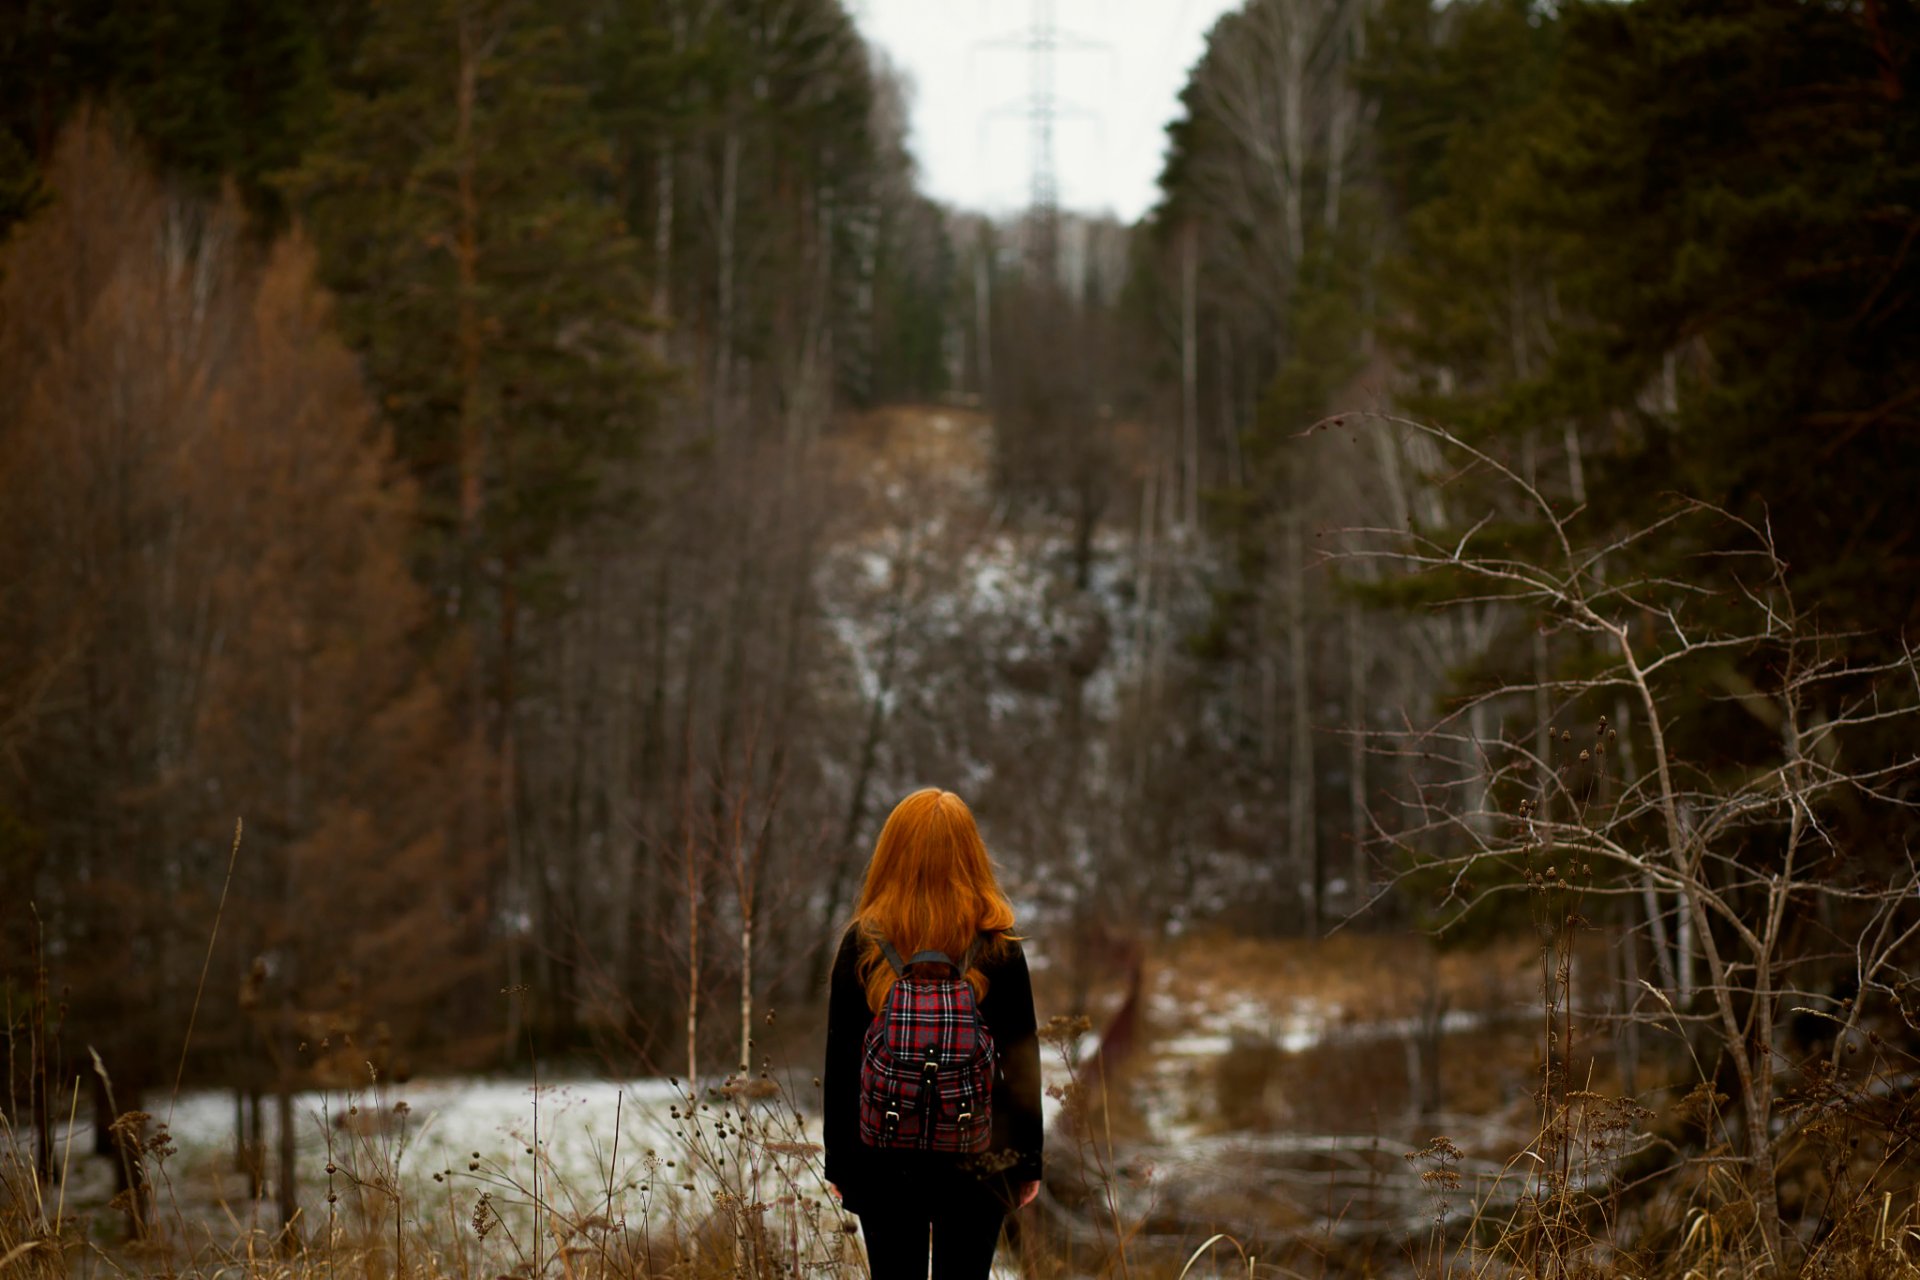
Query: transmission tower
x=1043 y=195
x=1041 y=41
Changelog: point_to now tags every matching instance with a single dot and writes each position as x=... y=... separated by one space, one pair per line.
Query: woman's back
x=930 y=887
x=1013 y=1154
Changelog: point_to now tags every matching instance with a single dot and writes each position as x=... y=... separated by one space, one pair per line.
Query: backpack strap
x=893 y=957
x=900 y=966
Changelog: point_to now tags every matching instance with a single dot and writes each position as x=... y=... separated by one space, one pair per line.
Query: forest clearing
x=502 y=506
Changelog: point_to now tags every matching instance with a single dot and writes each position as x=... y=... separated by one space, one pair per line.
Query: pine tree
x=217 y=89
x=465 y=213
x=1739 y=177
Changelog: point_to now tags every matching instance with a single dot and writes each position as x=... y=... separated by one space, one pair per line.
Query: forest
x=497 y=501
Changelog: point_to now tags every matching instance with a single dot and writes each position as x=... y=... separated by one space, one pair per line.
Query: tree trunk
x=1358 y=659
x=256 y=1144
x=1302 y=826
x=746 y=991
x=1627 y=1040
x=982 y=314
x=1661 y=942
x=472 y=435
x=1750 y=1050
x=1293 y=92
x=41 y=1084
x=482 y=797
x=289 y=1169
x=1343 y=109
x=240 y=1135
x=690 y=847
x=722 y=381
x=1190 y=375
x=662 y=303
x=1683 y=953
x=1085 y=516
x=1542 y=707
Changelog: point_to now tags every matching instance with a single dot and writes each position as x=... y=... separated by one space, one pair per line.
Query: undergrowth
x=1609 y=1186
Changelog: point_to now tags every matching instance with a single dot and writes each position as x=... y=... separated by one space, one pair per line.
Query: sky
x=1118 y=92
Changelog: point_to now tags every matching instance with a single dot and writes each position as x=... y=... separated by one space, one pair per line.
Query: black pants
x=961 y=1231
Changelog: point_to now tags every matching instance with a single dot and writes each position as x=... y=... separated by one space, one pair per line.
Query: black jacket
x=1012 y=1158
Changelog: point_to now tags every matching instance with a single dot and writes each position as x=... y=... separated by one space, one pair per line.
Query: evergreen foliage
x=603 y=267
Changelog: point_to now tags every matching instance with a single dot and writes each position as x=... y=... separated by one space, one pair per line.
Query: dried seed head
x=483 y=1217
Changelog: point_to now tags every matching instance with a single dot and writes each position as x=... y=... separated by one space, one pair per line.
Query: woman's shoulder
x=1002 y=951
x=846 y=957
x=854 y=939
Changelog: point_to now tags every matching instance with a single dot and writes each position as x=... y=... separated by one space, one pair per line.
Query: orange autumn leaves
x=206 y=611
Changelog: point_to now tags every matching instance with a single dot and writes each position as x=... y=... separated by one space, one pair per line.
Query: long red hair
x=930 y=887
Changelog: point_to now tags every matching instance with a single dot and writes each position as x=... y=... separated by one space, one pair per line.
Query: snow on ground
x=957 y=617
x=450 y=1123
x=590 y=1150
x=1298 y=1026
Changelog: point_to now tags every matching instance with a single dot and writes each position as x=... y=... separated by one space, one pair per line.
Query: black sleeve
x=1008 y=1010
x=847 y=1019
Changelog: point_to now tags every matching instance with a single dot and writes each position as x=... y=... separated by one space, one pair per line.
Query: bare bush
x=1749 y=863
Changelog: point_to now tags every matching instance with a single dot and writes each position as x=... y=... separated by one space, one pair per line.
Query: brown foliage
x=208 y=614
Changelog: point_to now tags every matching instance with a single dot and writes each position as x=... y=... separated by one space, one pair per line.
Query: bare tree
x=1747 y=849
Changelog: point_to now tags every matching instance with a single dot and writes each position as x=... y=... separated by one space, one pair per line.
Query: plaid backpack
x=926 y=1070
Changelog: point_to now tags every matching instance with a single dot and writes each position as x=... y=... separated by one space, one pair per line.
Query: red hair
x=930 y=887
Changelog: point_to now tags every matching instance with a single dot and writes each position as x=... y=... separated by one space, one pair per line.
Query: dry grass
x=1602 y=1188
x=1587 y=1183
x=913 y=445
x=761 y=1208
x=1358 y=977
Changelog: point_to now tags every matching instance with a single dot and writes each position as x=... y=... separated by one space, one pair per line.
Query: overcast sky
x=968 y=95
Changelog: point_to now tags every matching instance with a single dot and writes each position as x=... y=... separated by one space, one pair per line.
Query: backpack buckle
x=893 y=1121
x=963 y=1117
x=929 y=1070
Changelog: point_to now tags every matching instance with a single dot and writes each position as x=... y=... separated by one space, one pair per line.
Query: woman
x=930 y=887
